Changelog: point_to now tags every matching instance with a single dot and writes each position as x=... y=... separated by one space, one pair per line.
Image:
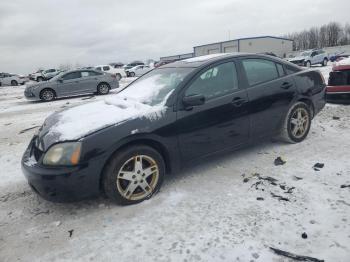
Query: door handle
x=238 y=101
x=286 y=85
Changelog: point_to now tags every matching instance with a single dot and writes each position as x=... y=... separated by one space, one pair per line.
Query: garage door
x=213 y=51
x=230 y=49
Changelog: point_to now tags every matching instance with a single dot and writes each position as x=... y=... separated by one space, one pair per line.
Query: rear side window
x=291 y=70
x=259 y=71
x=280 y=69
x=215 y=82
x=98 y=68
x=339 y=78
x=92 y=73
x=72 y=75
x=105 y=68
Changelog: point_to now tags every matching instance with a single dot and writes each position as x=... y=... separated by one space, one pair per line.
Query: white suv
x=138 y=70
x=118 y=72
x=311 y=57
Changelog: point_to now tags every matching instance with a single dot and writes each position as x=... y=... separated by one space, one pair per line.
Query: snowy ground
x=209 y=212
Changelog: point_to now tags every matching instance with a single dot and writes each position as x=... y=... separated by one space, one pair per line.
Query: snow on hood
x=345 y=61
x=140 y=100
x=297 y=58
x=82 y=120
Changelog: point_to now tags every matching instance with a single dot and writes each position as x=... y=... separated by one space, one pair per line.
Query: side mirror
x=60 y=80
x=193 y=100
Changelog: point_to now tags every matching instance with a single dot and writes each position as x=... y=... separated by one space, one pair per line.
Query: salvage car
x=311 y=57
x=338 y=89
x=168 y=118
x=72 y=83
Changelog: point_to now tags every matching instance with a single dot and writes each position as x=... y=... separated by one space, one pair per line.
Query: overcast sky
x=47 y=33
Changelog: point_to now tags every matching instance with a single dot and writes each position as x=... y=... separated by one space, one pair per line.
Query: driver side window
x=217 y=81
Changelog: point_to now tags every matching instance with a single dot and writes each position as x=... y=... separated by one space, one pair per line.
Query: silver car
x=10 y=80
x=71 y=83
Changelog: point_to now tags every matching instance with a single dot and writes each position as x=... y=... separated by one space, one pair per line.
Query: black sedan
x=169 y=117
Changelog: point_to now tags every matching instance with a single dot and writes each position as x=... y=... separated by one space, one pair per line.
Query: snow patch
x=203 y=58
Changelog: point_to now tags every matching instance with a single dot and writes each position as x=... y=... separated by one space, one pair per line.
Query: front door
x=69 y=84
x=222 y=121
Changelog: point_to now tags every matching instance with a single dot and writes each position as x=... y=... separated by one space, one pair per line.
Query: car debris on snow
x=71 y=232
x=27 y=129
x=294 y=256
x=279 y=161
x=344 y=186
x=318 y=166
x=336 y=118
x=304 y=235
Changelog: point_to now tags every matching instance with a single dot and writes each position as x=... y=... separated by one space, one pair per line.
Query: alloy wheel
x=47 y=95
x=103 y=88
x=138 y=177
x=299 y=122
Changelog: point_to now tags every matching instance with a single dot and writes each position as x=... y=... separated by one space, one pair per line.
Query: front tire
x=103 y=89
x=133 y=174
x=14 y=83
x=325 y=62
x=40 y=79
x=47 y=95
x=297 y=123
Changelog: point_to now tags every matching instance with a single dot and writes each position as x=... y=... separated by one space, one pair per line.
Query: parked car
x=311 y=57
x=138 y=70
x=37 y=76
x=338 y=89
x=133 y=64
x=118 y=72
x=7 y=79
x=71 y=83
x=166 y=119
x=48 y=74
x=117 y=65
x=338 y=57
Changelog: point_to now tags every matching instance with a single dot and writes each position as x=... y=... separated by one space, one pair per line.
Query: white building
x=277 y=45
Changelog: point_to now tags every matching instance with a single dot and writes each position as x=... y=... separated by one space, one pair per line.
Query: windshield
x=57 y=76
x=305 y=53
x=155 y=86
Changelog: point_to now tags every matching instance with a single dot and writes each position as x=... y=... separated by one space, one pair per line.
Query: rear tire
x=297 y=123
x=14 y=83
x=133 y=174
x=103 y=89
x=118 y=76
x=308 y=64
x=132 y=74
x=47 y=95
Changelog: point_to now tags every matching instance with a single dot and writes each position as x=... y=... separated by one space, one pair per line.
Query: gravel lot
x=226 y=209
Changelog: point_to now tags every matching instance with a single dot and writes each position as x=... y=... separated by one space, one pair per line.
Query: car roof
x=207 y=59
x=341 y=67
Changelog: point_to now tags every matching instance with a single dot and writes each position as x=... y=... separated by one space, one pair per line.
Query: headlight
x=65 y=154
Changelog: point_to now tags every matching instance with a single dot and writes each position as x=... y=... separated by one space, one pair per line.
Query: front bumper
x=29 y=95
x=298 y=62
x=61 y=184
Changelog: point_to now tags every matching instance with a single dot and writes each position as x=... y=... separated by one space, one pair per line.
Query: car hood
x=36 y=85
x=77 y=122
x=298 y=58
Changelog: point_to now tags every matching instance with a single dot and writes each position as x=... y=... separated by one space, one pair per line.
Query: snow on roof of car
x=204 y=58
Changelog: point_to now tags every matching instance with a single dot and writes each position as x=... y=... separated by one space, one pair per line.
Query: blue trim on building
x=246 y=38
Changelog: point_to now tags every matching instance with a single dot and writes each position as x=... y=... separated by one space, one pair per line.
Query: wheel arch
x=156 y=145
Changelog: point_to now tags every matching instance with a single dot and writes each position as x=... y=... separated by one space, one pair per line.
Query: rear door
x=87 y=82
x=270 y=92
x=222 y=121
